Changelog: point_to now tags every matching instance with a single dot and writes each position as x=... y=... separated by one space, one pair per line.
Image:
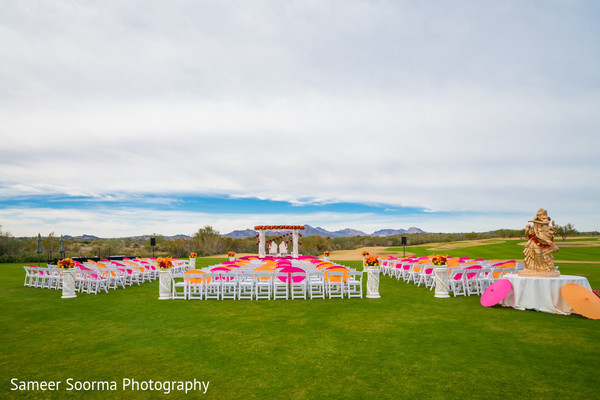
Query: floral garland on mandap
x=193 y=255
x=439 y=260
x=165 y=263
x=276 y=227
x=66 y=263
x=372 y=261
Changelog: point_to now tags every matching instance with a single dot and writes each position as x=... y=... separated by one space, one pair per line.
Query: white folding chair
x=178 y=286
x=229 y=286
x=194 y=285
x=80 y=282
x=280 y=286
x=485 y=278
x=299 y=281
x=132 y=275
x=426 y=276
x=499 y=272
x=397 y=271
x=44 y=278
x=354 y=284
x=96 y=282
x=334 y=283
x=212 y=286
x=457 y=282
x=385 y=267
x=30 y=276
x=104 y=272
x=405 y=273
x=416 y=271
x=55 y=278
x=316 y=285
x=246 y=284
x=471 y=280
x=263 y=286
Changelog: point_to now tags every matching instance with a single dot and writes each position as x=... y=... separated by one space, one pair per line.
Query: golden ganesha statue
x=540 y=247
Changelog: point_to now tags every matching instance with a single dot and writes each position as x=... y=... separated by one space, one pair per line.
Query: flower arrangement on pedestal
x=193 y=255
x=439 y=260
x=365 y=253
x=371 y=265
x=372 y=261
x=231 y=254
x=165 y=263
x=66 y=263
x=326 y=253
x=165 y=278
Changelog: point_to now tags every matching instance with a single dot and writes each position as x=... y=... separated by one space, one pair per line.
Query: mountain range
x=308 y=231
x=311 y=231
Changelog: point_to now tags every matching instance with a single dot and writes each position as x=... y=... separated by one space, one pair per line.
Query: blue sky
x=140 y=117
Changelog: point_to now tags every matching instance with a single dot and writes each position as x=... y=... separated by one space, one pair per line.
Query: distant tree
x=177 y=247
x=566 y=230
x=208 y=241
x=206 y=231
x=73 y=248
x=315 y=245
x=8 y=244
x=50 y=243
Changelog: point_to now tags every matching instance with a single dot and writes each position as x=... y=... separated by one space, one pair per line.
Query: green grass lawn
x=405 y=345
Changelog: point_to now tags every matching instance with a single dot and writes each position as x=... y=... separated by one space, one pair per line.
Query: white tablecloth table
x=541 y=294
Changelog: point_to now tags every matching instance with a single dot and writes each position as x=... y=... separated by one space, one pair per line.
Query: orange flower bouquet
x=439 y=260
x=193 y=255
x=372 y=261
x=66 y=263
x=165 y=263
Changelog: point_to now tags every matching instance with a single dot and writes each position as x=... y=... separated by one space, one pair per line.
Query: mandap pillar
x=261 y=245
x=295 y=239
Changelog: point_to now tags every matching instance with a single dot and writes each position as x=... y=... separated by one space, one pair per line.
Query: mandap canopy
x=293 y=229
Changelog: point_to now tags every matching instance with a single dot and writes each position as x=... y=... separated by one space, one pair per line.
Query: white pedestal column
x=192 y=263
x=165 y=279
x=68 y=284
x=372 y=282
x=441 y=282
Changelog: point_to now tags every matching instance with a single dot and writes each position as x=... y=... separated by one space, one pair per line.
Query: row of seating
x=266 y=285
x=465 y=278
x=94 y=277
x=42 y=277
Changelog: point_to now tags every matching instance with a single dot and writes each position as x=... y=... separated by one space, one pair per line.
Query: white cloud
x=331 y=156
x=482 y=107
